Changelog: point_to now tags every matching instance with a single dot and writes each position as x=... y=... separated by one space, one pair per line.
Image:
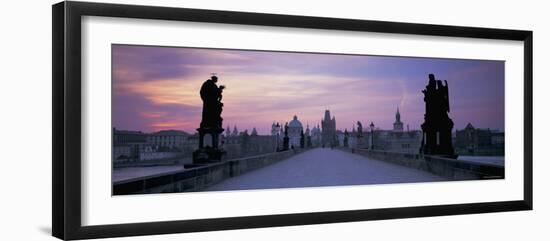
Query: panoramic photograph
x=198 y=119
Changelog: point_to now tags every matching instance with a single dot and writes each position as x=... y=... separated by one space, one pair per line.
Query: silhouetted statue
x=212 y=106
x=346 y=138
x=286 y=139
x=359 y=129
x=302 y=139
x=211 y=122
x=437 y=126
x=360 y=142
x=245 y=141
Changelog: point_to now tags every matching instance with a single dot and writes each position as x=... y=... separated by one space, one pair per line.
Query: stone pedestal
x=207 y=155
x=209 y=152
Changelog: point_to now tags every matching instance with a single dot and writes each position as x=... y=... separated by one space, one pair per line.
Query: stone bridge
x=310 y=168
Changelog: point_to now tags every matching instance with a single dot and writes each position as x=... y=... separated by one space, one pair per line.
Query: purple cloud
x=157 y=88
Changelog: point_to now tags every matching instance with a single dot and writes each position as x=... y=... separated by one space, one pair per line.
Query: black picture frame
x=66 y=128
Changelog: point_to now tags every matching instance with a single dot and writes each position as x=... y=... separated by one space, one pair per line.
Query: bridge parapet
x=446 y=167
x=199 y=177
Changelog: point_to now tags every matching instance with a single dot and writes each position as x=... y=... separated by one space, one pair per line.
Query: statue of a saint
x=437 y=126
x=211 y=96
x=211 y=123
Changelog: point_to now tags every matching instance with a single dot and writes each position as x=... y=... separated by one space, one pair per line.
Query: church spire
x=397 y=125
x=327 y=115
x=397 y=115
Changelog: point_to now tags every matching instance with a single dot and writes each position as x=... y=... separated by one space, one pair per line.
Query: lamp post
x=371 y=135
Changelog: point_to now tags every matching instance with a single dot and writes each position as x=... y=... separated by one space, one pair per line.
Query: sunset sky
x=157 y=88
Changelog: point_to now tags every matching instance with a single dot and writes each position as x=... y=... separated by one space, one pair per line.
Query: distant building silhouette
x=135 y=147
x=244 y=144
x=316 y=136
x=394 y=140
x=295 y=130
x=398 y=125
x=227 y=131
x=168 y=140
x=328 y=132
x=127 y=145
x=479 y=142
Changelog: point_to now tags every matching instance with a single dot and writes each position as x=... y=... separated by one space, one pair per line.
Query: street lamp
x=371 y=135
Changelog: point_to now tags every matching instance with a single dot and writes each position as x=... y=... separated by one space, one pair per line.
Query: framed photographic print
x=170 y=120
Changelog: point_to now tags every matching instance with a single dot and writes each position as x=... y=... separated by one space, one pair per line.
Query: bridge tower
x=328 y=130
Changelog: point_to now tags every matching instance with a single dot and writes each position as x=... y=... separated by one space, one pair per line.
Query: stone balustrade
x=446 y=167
x=198 y=177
